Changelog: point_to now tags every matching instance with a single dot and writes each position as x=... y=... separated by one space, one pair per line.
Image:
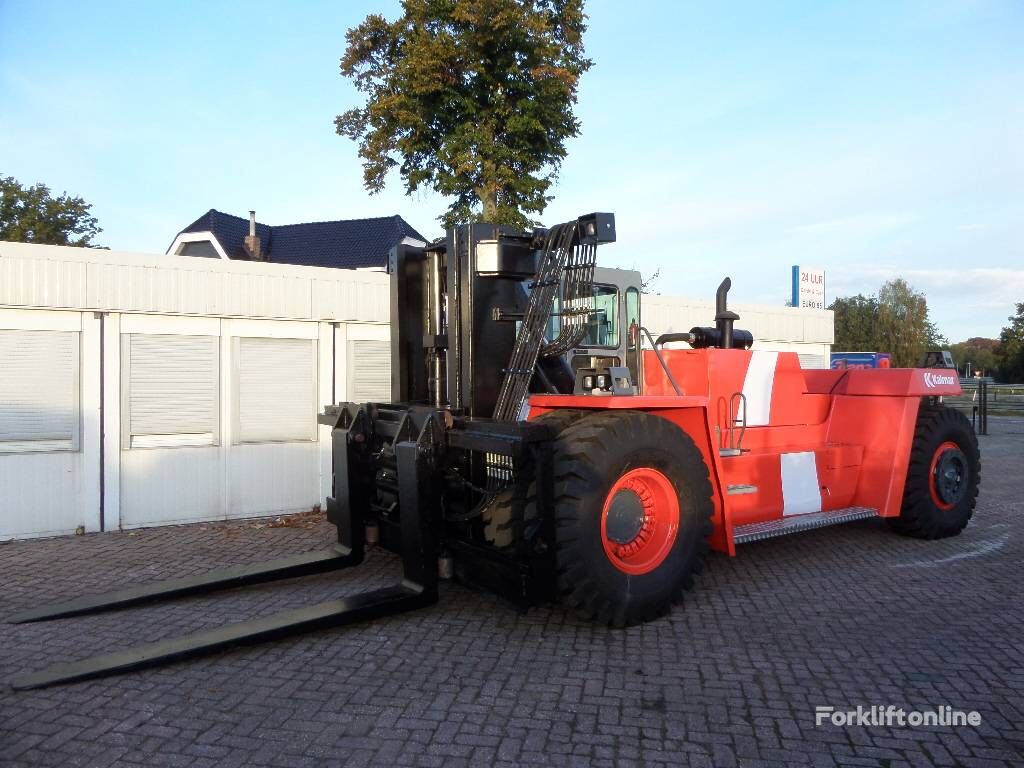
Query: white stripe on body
x=757 y=387
x=801 y=492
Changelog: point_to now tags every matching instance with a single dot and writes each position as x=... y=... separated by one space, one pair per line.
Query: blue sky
x=870 y=138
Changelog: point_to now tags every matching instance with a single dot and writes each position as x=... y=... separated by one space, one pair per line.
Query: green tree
x=33 y=215
x=979 y=352
x=933 y=338
x=896 y=321
x=856 y=323
x=904 y=328
x=1010 y=352
x=471 y=98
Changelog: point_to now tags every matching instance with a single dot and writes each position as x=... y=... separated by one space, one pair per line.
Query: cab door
x=612 y=336
x=631 y=311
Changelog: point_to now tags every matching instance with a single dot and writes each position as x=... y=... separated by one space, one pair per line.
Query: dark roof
x=348 y=243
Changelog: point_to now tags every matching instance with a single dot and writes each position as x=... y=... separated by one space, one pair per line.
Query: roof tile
x=349 y=243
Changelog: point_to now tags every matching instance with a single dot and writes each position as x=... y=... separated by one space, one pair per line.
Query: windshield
x=603 y=323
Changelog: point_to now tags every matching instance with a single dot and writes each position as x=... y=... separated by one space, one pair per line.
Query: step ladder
x=731 y=442
x=769 y=529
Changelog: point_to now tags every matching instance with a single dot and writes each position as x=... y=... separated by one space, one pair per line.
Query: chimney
x=252 y=243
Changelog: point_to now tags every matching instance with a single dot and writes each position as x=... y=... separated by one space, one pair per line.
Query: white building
x=808 y=332
x=141 y=390
x=138 y=390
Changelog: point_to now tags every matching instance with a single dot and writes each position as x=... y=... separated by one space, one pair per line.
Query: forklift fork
x=418 y=587
x=306 y=564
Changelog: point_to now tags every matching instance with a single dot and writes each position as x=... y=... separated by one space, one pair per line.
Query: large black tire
x=592 y=456
x=506 y=523
x=943 y=476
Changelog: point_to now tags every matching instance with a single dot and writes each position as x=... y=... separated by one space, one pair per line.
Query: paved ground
x=842 y=617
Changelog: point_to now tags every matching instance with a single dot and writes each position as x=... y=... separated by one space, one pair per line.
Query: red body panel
x=897 y=382
x=542 y=403
x=815 y=440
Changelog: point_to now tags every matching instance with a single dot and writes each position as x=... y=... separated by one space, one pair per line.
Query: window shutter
x=812 y=361
x=172 y=388
x=39 y=390
x=275 y=390
x=369 y=363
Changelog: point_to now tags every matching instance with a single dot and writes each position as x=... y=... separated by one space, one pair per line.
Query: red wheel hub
x=640 y=521
x=947 y=475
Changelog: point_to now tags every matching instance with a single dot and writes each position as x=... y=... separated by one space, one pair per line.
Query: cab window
x=632 y=317
x=603 y=323
x=555 y=321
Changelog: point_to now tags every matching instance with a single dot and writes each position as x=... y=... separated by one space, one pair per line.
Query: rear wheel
x=633 y=508
x=943 y=476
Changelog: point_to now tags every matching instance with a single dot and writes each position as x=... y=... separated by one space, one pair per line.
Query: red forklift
x=543 y=444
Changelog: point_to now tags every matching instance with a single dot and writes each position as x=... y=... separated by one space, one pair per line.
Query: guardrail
x=1005 y=389
x=1003 y=399
x=981 y=399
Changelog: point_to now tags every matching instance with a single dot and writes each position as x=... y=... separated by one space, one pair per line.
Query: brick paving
x=844 y=617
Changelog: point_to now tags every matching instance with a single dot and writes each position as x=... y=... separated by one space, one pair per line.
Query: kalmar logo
x=932 y=380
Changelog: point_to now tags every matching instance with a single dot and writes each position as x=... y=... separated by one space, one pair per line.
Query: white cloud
x=994 y=281
x=974 y=301
x=861 y=224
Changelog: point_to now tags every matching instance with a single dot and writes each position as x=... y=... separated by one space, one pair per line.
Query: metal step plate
x=743 y=534
x=740 y=489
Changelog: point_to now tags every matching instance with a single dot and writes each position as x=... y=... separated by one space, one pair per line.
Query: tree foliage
x=34 y=215
x=1010 y=352
x=979 y=353
x=933 y=338
x=471 y=98
x=856 y=323
x=895 y=321
x=904 y=328
x=647 y=283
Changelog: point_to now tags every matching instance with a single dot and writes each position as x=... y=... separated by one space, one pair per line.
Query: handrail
x=736 y=443
x=661 y=360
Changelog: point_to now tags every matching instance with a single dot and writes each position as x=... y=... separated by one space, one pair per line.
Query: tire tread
x=919 y=516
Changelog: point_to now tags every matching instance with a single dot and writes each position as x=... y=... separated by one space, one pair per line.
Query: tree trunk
x=489 y=201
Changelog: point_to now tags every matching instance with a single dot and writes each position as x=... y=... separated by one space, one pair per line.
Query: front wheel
x=633 y=508
x=943 y=476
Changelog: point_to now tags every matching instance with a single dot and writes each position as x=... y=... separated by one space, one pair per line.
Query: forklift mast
x=471 y=312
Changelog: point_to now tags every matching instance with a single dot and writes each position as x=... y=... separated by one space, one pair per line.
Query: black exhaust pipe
x=724 y=319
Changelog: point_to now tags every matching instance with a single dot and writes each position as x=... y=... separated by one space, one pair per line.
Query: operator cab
x=611 y=338
x=609 y=360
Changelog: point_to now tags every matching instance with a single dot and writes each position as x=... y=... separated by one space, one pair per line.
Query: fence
x=1003 y=399
x=982 y=399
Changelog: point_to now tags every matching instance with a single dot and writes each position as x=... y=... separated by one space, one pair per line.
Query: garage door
x=44 y=488
x=171 y=468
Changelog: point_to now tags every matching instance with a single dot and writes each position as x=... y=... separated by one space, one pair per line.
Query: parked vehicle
x=846 y=360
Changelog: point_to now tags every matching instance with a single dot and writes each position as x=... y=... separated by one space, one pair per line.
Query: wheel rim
x=947 y=476
x=640 y=521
